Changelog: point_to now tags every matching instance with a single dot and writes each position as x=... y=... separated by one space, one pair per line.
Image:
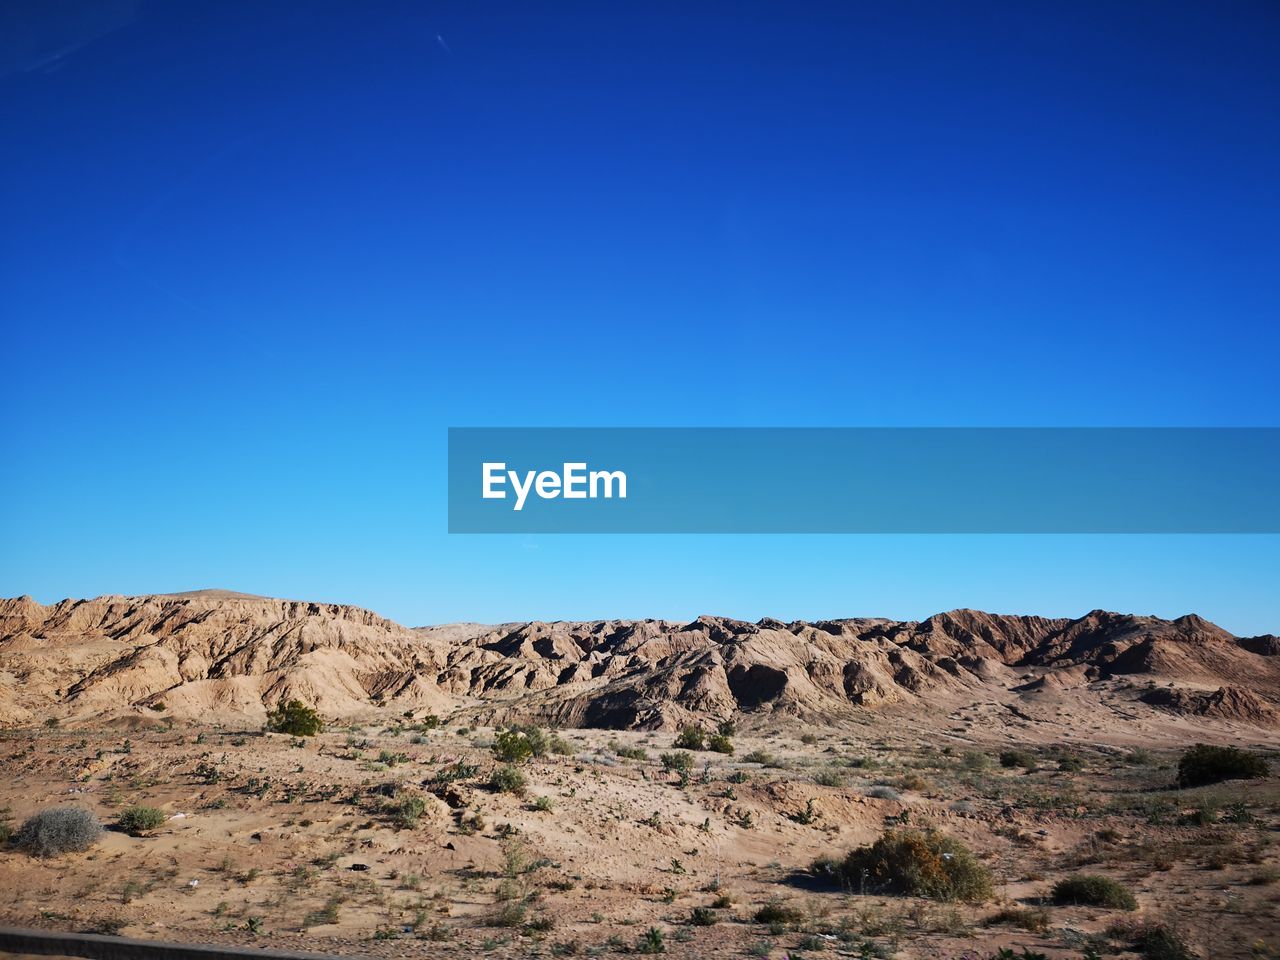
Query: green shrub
x=1204 y=764
x=702 y=917
x=1094 y=891
x=1017 y=758
x=631 y=753
x=652 y=942
x=719 y=743
x=918 y=863
x=759 y=756
x=409 y=811
x=508 y=780
x=296 y=719
x=830 y=777
x=679 y=762
x=776 y=911
x=691 y=738
x=58 y=830
x=1152 y=940
x=513 y=746
x=137 y=821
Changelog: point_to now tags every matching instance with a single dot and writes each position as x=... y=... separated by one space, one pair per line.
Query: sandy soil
x=296 y=844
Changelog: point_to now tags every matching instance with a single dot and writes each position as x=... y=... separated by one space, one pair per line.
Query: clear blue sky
x=257 y=257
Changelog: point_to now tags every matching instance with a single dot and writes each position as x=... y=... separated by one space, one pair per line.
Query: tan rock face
x=226 y=657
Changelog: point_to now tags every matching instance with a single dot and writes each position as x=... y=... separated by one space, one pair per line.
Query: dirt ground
x=388 y=840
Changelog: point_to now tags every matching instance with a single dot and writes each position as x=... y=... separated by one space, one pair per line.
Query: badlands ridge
x=226 y=658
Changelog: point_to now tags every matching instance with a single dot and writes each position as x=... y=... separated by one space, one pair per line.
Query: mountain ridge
x=218 y=656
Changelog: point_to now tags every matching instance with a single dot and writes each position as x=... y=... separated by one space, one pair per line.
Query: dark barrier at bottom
x=94 y=946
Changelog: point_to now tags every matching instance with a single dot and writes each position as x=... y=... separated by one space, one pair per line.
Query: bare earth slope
x=228 y=658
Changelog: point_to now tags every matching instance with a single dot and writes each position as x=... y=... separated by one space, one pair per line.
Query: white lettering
x=573 y=482
x=493 y=476
x=609 y=476
x=573 y=474
x=521 y=492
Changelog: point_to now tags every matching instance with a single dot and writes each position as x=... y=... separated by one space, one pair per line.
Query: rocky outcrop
x=216 y=656
x=1225 y=703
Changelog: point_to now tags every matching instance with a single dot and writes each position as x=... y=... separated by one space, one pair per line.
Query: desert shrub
x=702 y=917
x=719 y=743
x=883 y=792
x=776 y=911
x=913 y=781
x=409 y=811
x=513 y=746
x=1094 y=891
x=691 y=738
x=759 y=756
x=1154 y=941
x=918 y=863
x=975 y=761
x=508 y=780
x=58 y=830
x=809 y=739
x=727 y=728
x=1028 y=918
x=136 y=821
x=830 y=777
x=680 y=762
x=510 y=914
x=296 y=719
x=651 y=941
x=544 y=804
x=631 y=753
x=1017 y=758
x=1204 y=764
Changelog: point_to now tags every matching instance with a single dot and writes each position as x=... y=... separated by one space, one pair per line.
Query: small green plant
x=719 y=743
x=691 y=738
x=138 y=821
x=1204 y=764
x=544 y=804
x=702 y=917
x=512 y=746
x=1017 y=758
x=1094 y=891
x=409 y=811
x=508 y=779
x=776 y=911
x=296 y=719
x=678 y=762
x=652 y=942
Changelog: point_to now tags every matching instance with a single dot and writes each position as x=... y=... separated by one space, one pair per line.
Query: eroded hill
x=227 y=658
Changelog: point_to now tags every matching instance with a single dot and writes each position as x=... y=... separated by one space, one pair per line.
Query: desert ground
x=1019 y=752
x=302 y=843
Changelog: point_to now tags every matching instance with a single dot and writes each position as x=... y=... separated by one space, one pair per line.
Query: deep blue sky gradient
x=255 y=258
